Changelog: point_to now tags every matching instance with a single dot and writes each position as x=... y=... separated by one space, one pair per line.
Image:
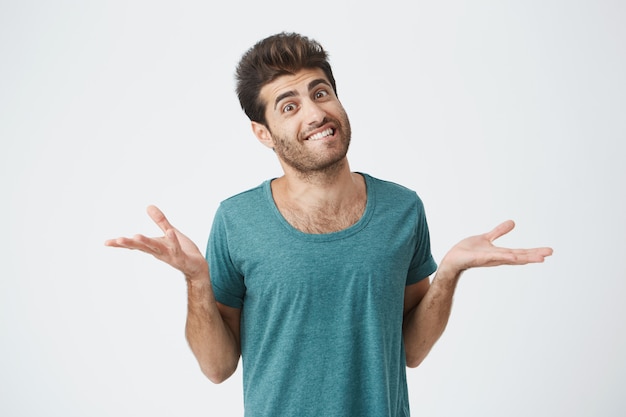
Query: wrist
x=199 y=289
x=447 y=271
x=198 y=277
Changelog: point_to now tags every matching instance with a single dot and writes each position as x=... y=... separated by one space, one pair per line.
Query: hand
x=479 y=251
x=174 y=248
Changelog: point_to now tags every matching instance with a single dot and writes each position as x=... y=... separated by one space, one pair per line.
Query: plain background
x=488 y=109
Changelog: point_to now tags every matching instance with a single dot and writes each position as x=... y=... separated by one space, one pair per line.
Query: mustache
x=324 y=121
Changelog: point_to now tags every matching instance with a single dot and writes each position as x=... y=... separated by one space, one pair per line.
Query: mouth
x=321 y=135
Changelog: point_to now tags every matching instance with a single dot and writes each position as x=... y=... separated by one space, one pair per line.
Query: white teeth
x=322 y=134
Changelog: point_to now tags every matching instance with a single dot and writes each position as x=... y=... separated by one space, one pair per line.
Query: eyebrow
x=293 y=93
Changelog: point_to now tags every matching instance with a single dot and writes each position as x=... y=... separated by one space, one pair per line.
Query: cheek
x=286 y=132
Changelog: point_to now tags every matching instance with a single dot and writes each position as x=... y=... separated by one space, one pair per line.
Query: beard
x=323 y=160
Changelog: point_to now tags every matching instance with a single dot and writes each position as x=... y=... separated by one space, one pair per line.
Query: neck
x=323 y=189
x=321 y=204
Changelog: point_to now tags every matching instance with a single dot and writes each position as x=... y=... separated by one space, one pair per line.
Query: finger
x=137 y=242
x=546 y=251
x=159 y=218
x=112 y=243
x=121 y=242
x=543 y=252
x=500 y=230
x=170 y=235
x=150 y=245
x=525 y=256
x=539 y=254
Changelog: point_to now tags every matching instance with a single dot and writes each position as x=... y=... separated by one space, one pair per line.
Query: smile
x=322 y=134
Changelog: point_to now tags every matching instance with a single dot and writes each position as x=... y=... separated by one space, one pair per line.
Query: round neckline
x=325 y=237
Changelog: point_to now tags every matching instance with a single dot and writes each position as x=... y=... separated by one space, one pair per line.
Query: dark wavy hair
x=276 y=55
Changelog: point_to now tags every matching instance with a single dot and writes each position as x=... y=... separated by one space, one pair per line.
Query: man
x=319 y=279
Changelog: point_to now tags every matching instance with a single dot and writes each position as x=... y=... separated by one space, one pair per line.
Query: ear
x=263 y=134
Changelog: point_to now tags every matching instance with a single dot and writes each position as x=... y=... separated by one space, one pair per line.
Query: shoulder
x=247 y=210
x=246 y=199
x=391 y=191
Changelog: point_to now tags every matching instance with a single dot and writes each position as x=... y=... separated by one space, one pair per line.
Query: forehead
x=297 y=82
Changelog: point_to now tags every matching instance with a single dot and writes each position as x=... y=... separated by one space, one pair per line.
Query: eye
x=320 y=94
x=289 y=108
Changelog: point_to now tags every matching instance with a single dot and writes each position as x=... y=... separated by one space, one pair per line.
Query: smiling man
x=305 y=124
x=320 y=280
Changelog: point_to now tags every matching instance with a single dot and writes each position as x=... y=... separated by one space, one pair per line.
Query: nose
x=314 y=113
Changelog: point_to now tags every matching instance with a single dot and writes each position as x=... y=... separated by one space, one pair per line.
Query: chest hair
x=318 y=220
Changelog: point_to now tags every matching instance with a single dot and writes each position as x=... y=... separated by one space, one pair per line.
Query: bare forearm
x=425 y=324
x=212 y=331
x=211 y=340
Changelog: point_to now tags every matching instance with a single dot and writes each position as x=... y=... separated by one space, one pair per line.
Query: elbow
x=218 y=374
x=215 y=377
x=413 y=363
x=415 y=359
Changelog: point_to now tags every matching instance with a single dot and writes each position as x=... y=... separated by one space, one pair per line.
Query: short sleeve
x=423 y=264
x=227 y=282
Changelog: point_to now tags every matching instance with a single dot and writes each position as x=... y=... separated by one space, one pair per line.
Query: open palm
x=479 y=251
x=173 y=248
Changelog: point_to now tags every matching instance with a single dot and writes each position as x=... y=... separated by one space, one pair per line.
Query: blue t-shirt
x=321 y=320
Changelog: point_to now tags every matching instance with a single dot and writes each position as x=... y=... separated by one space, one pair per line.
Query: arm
x=427 y=306
x=212 y=329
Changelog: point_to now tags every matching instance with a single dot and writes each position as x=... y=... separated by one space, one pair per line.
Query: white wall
x=489 y=109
